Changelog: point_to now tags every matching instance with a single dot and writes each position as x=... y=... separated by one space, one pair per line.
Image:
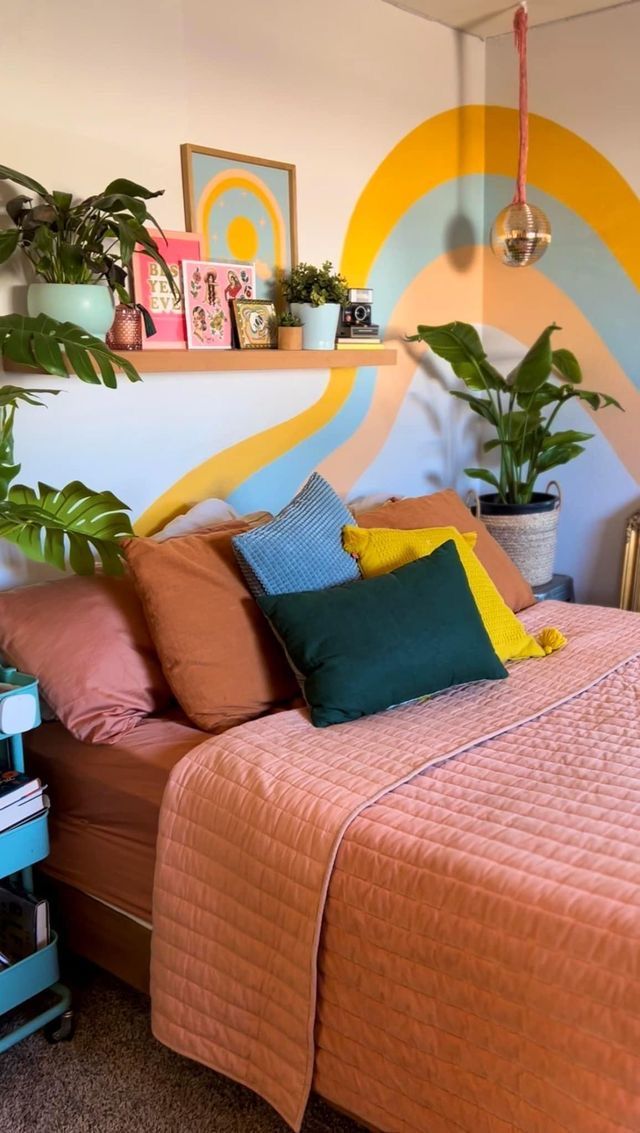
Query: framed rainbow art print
x=244 y=209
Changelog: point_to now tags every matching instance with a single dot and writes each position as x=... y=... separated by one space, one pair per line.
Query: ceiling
x=491 y=17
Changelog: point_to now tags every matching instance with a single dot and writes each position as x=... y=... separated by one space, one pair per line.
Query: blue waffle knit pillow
x=301 y=549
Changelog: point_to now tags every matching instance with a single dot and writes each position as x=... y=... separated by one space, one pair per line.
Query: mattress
x=105 y=802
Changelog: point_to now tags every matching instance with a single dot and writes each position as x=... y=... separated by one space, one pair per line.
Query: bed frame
x=98 y=933
x=630 y=587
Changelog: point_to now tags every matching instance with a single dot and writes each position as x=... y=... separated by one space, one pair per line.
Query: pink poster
x=208 y=288
x=152 y=290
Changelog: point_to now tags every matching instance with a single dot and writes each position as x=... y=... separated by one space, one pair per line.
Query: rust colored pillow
x=87 y=642
x=217 y=650
x=446 y=509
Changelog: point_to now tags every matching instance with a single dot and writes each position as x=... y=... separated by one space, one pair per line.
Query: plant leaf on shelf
x=66 y=526
x=9 y=240
x=7 y=174
x=37 y=342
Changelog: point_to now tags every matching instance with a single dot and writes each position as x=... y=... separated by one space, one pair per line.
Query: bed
x=103 y=823
x=431 y=917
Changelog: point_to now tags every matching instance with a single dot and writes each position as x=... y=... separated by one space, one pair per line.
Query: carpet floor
x=113 y=1077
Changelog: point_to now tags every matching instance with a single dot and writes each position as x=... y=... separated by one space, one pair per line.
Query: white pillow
x=201 y=517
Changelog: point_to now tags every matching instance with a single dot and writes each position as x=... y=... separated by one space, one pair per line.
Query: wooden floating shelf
x=205 y=361
x=210 y=361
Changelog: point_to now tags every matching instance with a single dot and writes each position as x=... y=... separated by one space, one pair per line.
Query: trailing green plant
x=289 y=320
x=521 y=408
x=82 y=241
x=73 y=524
x=317 y=286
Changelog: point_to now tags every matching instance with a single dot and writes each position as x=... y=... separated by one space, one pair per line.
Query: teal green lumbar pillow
x=371 y=644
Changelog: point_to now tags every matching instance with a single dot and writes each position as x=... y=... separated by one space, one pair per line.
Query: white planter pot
x=88 y=305
x=319 y=325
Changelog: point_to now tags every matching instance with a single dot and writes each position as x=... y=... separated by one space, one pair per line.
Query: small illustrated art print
x=256 y=323
x=209 y=287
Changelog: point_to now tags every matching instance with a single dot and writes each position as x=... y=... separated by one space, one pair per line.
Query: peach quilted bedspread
x=439 y=944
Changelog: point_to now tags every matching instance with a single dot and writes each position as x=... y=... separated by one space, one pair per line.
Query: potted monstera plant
x=521 y=410
x=80 y=250
x=315 y=296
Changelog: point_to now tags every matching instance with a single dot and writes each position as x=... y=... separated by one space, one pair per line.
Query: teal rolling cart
x=20 y=848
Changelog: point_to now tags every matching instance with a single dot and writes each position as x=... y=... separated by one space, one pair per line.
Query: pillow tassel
x=551 y=640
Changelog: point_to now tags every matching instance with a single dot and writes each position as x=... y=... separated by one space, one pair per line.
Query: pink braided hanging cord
x=520 y=25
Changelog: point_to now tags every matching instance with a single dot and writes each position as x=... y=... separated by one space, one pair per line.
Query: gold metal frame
x=630 y=586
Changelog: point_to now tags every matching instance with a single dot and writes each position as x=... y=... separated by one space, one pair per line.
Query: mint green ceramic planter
x=319 y=325
x=89 y=305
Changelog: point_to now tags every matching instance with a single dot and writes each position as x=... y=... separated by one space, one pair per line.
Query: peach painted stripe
x=440 y=293
x=519 y=306
x=522 y=309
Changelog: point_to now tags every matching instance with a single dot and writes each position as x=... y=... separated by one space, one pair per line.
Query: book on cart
x=21 y=797
x=24 y=922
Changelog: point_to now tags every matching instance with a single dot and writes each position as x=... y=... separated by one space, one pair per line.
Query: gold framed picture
x=630 y=586
x=256 y=323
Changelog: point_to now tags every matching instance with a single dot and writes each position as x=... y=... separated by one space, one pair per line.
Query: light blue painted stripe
x=274 y=485
x=449 y=217
x=412 y=244
x=581 y=265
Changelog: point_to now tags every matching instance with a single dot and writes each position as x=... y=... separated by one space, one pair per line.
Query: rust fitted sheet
x=105 y=802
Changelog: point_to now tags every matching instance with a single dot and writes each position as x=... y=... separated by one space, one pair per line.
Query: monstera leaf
x=67 y=525
x=40 y=342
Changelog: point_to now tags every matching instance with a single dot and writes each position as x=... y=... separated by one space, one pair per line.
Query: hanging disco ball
x=520 y=235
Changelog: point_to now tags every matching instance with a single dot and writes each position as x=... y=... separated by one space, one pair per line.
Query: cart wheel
x=60 y=1030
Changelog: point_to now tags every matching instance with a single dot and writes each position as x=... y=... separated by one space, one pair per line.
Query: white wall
x=100 y=92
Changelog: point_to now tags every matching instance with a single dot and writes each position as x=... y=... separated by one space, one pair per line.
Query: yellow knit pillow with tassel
x=380 y=549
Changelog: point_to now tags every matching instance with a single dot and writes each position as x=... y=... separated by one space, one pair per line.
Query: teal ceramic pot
x=319 y=325
x=88 y=305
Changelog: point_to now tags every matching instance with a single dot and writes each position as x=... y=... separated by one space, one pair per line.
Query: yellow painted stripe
x=517 y=311
x=221 y=474
x=566 y=167
x=450 y=145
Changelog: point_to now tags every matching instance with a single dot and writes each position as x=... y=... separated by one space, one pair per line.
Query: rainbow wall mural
x=417 y=236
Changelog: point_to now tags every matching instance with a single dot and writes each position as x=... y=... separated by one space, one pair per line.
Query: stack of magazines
x=21 y=797
x=24 y=923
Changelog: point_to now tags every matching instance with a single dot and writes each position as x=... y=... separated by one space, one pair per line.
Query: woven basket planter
x=527 y=532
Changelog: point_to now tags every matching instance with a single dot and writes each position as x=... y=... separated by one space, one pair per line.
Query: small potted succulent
x=289 y=332
x=521 y=411
x=80 y=250
x=316 y=296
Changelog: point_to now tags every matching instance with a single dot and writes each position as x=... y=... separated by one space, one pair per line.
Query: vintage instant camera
x=357 y=312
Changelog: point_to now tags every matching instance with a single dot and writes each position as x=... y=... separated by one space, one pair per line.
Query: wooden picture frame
x=256 y=323
x=630 y=585
x=243 y=208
